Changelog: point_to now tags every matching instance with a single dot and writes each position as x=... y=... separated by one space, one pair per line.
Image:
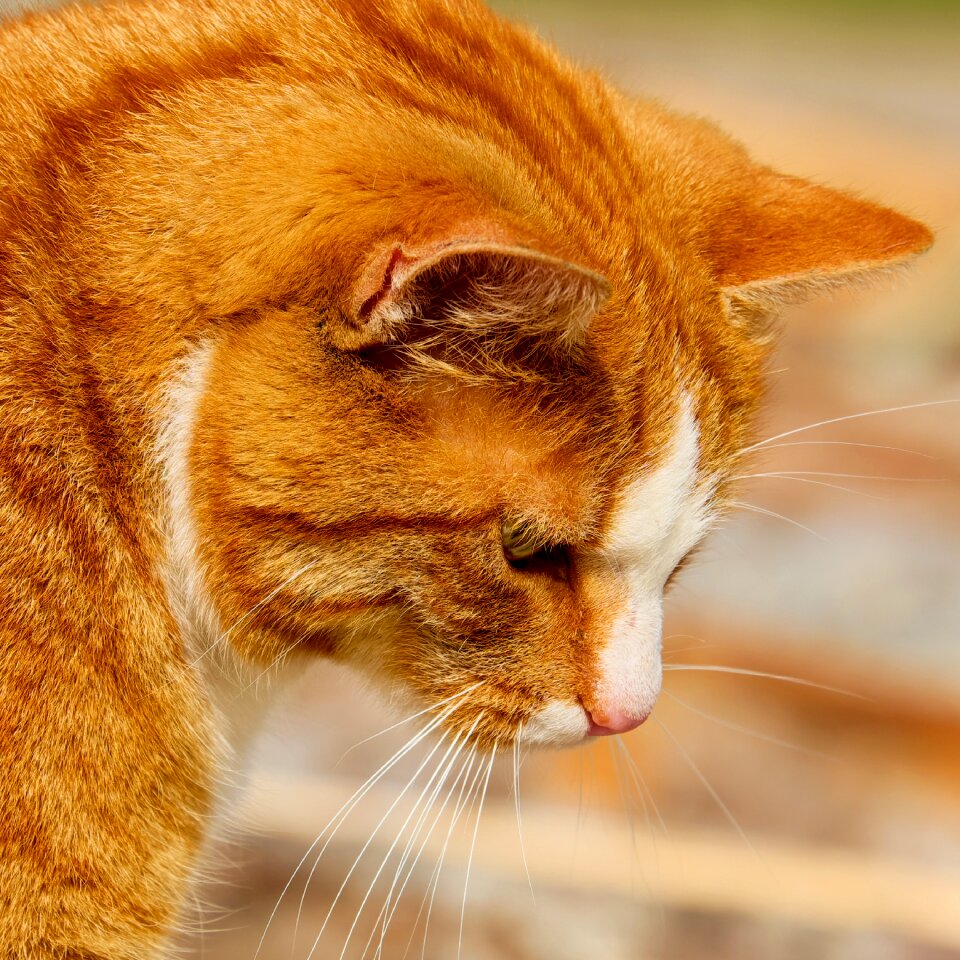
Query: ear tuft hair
x=480 y=288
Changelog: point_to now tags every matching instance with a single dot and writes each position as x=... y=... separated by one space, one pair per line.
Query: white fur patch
x=556 y=725
x=238 y=697
x=661 y=515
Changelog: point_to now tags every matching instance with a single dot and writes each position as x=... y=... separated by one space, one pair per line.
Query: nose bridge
x=624 y=686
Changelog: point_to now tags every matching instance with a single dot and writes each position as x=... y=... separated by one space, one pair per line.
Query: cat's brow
x=370 y=524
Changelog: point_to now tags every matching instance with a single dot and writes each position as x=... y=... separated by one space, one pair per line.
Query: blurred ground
x=843 y=844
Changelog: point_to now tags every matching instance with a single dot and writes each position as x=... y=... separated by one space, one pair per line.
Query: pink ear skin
x=541 y=293
x=390 y=276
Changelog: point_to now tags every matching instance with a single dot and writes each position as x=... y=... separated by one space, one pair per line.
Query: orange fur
x=441 y=277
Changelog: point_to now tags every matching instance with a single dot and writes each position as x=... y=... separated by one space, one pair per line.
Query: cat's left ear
x=785 y=240
x=476 y=284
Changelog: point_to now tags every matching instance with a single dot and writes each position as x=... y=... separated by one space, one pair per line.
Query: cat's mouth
x=488 y=716
x=567 y=724
x=555 y=725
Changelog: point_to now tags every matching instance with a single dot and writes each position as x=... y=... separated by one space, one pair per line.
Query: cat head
x=501 y=401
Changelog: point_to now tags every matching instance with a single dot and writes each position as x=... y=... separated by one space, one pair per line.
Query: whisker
x=683 y=636
x=344 y=812
x=753 y=508
x=678 y=650
x=421 y=821
x=369 y=841
x=337 y=820
x=400 y=723
x=717 y=668
x=580 y=791
x=392 y=900
x=473 y=846
x=462 y=800
x=850 y=443
x=848 y=476
x=815 y=483
x=617 y=772
x=436 y=822
x=851 y=416
x=438 y=776
x=516 y=797
x=708 y=786
x=635 y=775
x=638 y=782
x=746 y=731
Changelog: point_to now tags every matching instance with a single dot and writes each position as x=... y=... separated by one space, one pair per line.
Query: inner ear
x=476 y=286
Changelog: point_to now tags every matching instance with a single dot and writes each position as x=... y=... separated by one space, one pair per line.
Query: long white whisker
x=341 y=815
x=462 y=773
x=716 y=668
x=419 y=713
x=391 y=902
x=852 y=416
x=627 y=808
x=462 y=800
x=580 y=791
x=815 y=483
x=437 y=777
x=746 y=731
x=644 y=794
x=640 y=785
x=708 y=786
x=828 y=473
x=753 y=508
x=473 y=847
x=849 y=443
x=516 y=797
x=369 y=841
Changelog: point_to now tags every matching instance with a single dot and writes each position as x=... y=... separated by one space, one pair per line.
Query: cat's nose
x=608 y=722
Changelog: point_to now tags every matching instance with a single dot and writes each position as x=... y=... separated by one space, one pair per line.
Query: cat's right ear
x=476 y=284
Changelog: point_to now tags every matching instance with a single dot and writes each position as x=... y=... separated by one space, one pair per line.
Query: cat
x=374 y=332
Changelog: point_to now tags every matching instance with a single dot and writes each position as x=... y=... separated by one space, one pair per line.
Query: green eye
x=521 y=540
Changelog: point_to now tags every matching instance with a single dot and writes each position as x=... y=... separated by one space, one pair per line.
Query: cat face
x=482 y=507
x=463 y=437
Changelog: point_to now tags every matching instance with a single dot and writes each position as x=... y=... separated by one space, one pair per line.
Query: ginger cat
x=371 y=331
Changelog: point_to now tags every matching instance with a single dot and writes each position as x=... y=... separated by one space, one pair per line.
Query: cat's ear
x=476 y=284
x=786 y=240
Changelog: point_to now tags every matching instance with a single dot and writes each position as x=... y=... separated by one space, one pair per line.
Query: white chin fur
x=556 y=725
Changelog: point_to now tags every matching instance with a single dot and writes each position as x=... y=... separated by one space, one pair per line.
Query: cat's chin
x=556 y=725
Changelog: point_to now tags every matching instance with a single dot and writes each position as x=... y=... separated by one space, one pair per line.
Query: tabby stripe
x=364 y=525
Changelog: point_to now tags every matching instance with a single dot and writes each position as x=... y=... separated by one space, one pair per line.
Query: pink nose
x=606 y=723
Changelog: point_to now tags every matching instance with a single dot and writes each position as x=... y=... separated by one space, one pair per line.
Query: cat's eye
x=526 y=548
x=521 y=540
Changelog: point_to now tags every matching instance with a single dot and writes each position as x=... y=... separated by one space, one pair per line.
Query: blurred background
x=757 y=817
